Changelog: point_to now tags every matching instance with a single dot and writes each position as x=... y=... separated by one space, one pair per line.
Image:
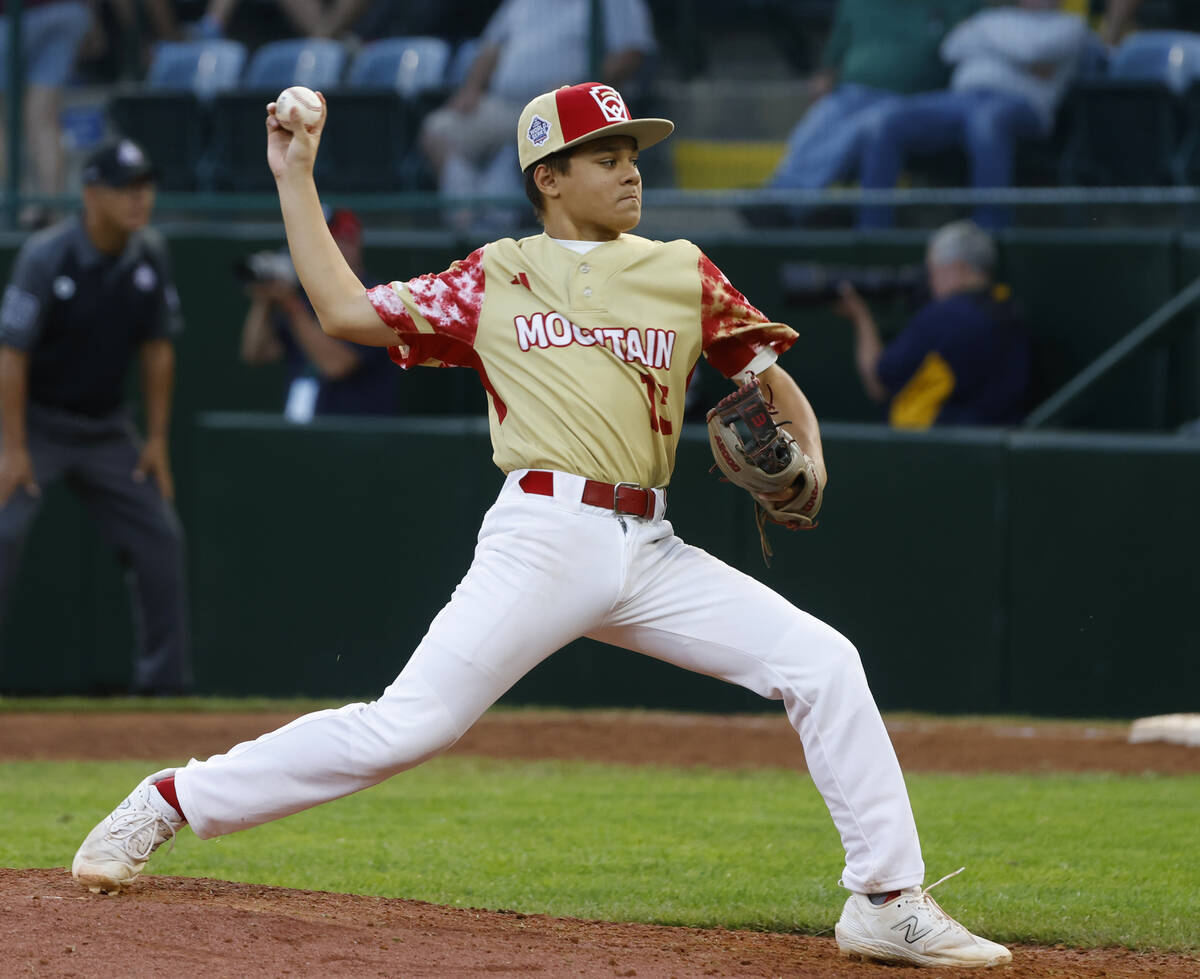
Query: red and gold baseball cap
x=576 y=113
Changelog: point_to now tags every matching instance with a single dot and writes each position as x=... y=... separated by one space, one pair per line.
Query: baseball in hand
x=304 y=100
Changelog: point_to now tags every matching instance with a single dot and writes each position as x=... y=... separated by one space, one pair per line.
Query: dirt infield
x=173 y=926
x=624 y=737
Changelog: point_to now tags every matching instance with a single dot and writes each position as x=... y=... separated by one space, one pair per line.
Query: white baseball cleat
x=912 y=929
x=114 y=853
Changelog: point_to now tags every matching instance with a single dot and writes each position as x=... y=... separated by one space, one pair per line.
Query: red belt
x=620 y=497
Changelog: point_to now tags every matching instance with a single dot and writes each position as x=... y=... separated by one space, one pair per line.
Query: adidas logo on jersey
x=654 y=348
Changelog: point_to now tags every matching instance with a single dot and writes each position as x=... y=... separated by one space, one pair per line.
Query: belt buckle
x=649 y=499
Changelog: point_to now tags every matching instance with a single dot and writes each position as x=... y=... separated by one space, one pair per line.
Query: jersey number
x=660 y=425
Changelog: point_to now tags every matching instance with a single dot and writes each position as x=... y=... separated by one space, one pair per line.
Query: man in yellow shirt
x=584 y=338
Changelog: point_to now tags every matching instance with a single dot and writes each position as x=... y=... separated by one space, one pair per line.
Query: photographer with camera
x=326 y=376
x=964 y=357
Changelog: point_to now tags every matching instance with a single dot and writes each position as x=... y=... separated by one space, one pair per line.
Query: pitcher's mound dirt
x=183 y=927
x=174 y=927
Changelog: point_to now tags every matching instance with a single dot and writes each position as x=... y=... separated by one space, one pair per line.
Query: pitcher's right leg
x=525 y=595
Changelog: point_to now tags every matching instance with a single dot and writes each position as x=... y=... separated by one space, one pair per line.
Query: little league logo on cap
x=539 y=131
x=576 y=113
x=610 y=102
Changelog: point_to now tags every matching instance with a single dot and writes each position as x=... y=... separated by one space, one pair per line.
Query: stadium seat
x=1121 y=132
x=201 y=67
x=181 y=82
x=375 y=115
x=1188 y=159
x=407 y=65
x=1171 y=58
x=238 y=160
x=314 y=62
x=426 y=79
x=1134 y=127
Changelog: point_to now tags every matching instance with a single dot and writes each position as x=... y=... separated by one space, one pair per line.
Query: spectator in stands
x=1012 y=66
x=877 y=50
x=51 y=32
x=964 y=358
x=368 y=19
x=137 y=26
x=528 y=47
x=327 y=376
x=120 y=44
x=307 y=18
x=256 y=23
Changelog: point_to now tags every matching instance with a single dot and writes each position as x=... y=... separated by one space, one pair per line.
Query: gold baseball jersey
x=585 y=357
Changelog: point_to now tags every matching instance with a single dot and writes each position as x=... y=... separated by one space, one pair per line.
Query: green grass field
x=1084 y=860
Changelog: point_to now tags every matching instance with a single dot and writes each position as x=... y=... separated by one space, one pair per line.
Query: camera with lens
x=265 y=266
x=813 y=284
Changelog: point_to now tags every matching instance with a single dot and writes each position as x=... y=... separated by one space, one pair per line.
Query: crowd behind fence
x=190 y=85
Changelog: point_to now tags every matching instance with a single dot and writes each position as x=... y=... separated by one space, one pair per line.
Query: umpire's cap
x=118 y=164
x=575 y=113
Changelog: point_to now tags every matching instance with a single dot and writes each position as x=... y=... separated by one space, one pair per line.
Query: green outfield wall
x=1050 y=573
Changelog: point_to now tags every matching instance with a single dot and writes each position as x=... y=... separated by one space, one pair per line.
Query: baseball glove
x=755 y=453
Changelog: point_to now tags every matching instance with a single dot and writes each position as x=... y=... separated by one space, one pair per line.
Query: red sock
x=166 y=788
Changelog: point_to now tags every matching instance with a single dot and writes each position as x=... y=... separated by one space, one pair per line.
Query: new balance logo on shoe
x=913 y=932
x=912 y=929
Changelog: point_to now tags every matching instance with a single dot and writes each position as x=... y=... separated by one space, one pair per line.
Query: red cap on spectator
x=344 y=223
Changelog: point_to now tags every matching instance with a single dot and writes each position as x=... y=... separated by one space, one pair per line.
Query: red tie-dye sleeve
x=733 y=331
x=435 y=317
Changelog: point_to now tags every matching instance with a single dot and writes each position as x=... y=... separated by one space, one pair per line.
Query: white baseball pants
x=546 y=571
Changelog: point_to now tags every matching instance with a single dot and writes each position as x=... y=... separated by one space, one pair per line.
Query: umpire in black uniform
x=87 y=297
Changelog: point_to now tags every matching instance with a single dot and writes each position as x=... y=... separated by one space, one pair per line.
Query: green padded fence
x=1083 y=291
x=1049 y=573
x=1104 y=578
x=976 y=571
x=963 y=564
x=909 y=562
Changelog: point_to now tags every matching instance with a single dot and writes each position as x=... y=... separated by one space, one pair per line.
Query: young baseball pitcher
x=584 y=338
